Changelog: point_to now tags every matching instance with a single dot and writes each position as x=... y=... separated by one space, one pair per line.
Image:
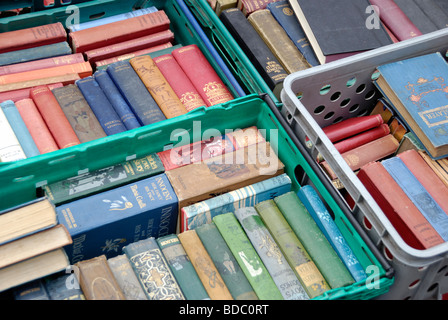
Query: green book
x=247 y=258
x=296 y=255
x=225 y=262
x=182 y=268
x=316 y=244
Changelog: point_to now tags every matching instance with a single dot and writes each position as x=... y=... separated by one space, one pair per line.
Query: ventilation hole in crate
x=367 y=224
x=362 y=112
x=300 y=175
x=443 y=269
x=329 y=115
x=353 y=108
x=351 y=82
x=48 y=3
x=414 y=284
x=433 y=287
x=335 y=96
x=361 y=88
x=325 y=89
x=375 y=75
x=299 y=95
x=338 y=119
x=370 y=95
x=289 y=116
x=319 y=110
x=422 y=269
x=345 y=102
x=388 y=254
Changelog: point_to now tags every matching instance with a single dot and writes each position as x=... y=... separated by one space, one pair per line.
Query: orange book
x=54 y=117
x=65 y=79
x=20 y=94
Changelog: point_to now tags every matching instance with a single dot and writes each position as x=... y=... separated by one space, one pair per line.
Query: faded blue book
x=203 y=212
x=105 y=222
x=116 y=99
x=37 y=53
x=135 y=93
x=20 y=129
x=418 y=91
x=63 y=287
x=320 y=214
x=419 y=196
x=107 y=116
x=33 y=290
x=283 y=13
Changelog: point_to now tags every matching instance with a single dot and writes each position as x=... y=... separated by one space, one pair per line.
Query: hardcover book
x=63 y=287
x=426 y=15
x=250 y=6
x=139 y=210
x=10 y=148
x=50 y=81
x=436 y=165
x=352 y=126
x=33 y=290
x=35 y=54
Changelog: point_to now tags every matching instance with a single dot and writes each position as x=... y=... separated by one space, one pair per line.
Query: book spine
x=119 y=31
x=34 y=54
x=314 y=241
x=179 y=82
x=78 y=112
x=247 y=257
x=182 y=268
x=33 y=290
x=54 y=117
x=134 y=91
x=225 y=262
x=36 y=126
x=321 y=216
x=63 y=79
x=204 y=78
x=10 y=149
x=152 y=270
x=158 y=86
x=20 y=129
x=271 y=255
x=56 y=286
x=107 y=116
x=351 y=127
x=298 y=258
x=204 y=266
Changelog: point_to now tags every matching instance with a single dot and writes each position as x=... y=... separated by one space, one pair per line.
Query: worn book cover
x=10 y=148
x=426 y=15
x=63 y=287
x=126 y=278
x=35 y=54
x=352 y=126
x=33 y=290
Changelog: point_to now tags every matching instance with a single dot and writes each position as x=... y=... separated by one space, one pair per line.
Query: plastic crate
x=315 y=98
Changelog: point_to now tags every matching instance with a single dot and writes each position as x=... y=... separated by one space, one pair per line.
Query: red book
x=21 y=94
x=119 y=31
x=36 y=126
x=54 y=117
x=395 y=19
x=200 y=72
x=32 y=37
x=124 y=47
x=427 y=177
x=179 y=81
x=352 y=126
x=415 y=230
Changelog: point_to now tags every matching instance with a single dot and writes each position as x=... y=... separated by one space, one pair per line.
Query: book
x=119 y=31
x=20 y=129
x=97 y=280
x=409 y=142
x=284 y=15
x=225 y=262
x=179 y=82
x=250 y=6
x=102 y=108
x=395 y=19
x=322 y=217
x=54 y=117
x=278 y=41
x=247 y=257
x=126 y=278
x=271 y=255
x=255 y=48
x=89 y=183
x=314 y=241
x=10 y=148
x=50 y=81
x=298 y=258
x=63 y=287
x=222 y=5
x=416 y=89
x=158 y=86
x=34 y=54
x=436 y=166
x=203 y=212
x=78 y=113
x=33 y=290
x=426 y=15
x=352 y=126
x=117 y=101
x=200 y=72
x=182 y=268
x=339 y=36
x=135 y=93
x=32 y=37
x=36 y=125
x=152 y=270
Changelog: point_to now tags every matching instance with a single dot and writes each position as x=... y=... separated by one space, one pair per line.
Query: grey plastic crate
x=317 y=97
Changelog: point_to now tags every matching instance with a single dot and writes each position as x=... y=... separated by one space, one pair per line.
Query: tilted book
x=10 y=148
x=139 y=210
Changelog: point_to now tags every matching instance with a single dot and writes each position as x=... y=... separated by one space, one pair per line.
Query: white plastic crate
x=317 y=97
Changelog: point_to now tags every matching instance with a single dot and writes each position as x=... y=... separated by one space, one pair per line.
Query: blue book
x=283 y=13
x=323 y=219
x=20 y=129
x=107 y=116
x=105 y=222
x=419 y=196
x=417 y=89
x=135 y=93
x=116 y=99
x=37 y=53
x=33 y=290
x=203 y=212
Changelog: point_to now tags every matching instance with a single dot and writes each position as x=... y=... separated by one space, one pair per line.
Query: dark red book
x=32 y=37
x=119 y=31
x=16 y=95
x=415 y=230
x=200 y=72
x=351 y=127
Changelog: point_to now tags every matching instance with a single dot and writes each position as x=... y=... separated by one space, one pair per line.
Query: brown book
x=97 y=280
x=64 y=79
x=158 y=86
x=204 y=266
x=126 y=278
x=278 y=41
